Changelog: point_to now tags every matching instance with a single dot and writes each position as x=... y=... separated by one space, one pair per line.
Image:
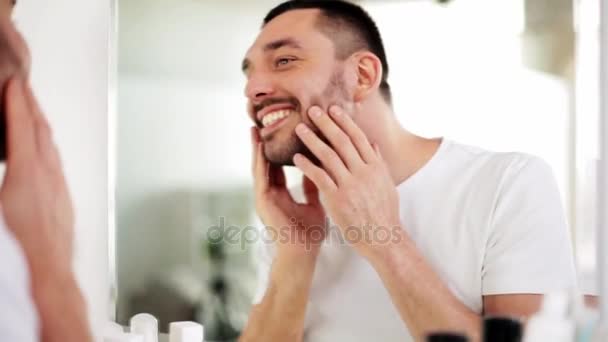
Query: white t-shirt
x=18 y=317
x=488 y=223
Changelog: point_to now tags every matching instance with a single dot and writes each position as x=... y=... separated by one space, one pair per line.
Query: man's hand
x=360 y=194
x=37 y=209
x=297 y=228
x=34 y=196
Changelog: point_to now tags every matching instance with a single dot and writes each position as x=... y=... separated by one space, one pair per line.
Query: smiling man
x=438 y=233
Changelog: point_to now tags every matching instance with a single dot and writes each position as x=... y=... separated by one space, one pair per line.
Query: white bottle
x=185 y=332
x=112 y=328
x=551 y=323
x=585 y=318
x=124 y=337
x=601 y=333
x=145 y=325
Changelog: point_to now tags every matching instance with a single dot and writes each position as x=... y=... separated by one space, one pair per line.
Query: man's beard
x=281 y=153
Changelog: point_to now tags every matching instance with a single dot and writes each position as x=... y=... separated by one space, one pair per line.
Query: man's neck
x=404 y=152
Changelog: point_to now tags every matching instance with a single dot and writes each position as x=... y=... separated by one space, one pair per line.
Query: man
x=39 y=297
x=438 y=233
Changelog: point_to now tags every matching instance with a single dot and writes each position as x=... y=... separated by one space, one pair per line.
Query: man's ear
x=369 y=74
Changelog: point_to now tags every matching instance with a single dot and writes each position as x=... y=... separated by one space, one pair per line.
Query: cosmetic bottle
x=185 y=332
x=124 y=337
x=551 y=323
x=601 y=333
x=145 y=325
x=446 y=337
x=502 y=329
x=585 y=318
x=112 y=328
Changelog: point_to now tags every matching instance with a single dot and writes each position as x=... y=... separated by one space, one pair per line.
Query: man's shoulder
x=503 y=165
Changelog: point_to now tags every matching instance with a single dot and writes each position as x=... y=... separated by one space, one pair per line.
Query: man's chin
x=278 y=157
x=281 y=153
x=285 y=157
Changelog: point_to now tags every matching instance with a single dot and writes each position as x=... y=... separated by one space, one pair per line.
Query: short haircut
x=337 y=18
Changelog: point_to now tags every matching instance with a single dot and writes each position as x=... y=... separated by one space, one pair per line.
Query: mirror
x=501 y=75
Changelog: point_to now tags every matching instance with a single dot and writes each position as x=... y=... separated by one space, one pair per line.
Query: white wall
x=69 y=46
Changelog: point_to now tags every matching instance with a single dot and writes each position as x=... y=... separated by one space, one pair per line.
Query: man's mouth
x=271 y=114
x=275 y=117
x=274 y=120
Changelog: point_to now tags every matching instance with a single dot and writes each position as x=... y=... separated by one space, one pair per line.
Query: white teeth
x=271 y=118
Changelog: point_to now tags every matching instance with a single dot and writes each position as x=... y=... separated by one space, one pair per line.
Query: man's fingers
x=354 y=132
x=257 y=168
x=254 y=144
x=47 y=149
x=44 y=134
x=20 y=124
x=260 y=176
x=377 y=150
x=276 y=176
x=339 y=139
x=310 y=191
x=329 y=158
x=317 y=175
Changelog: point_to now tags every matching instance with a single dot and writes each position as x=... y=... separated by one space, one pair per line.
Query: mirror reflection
x=369 y=170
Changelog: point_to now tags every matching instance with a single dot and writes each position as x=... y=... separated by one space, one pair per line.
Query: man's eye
x=283 y=61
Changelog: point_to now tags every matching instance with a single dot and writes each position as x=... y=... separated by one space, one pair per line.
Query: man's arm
x=280 y=315
x=426 y=304
x=300 y=228
x=38 y=211
x=61 y=307
x=512 y=305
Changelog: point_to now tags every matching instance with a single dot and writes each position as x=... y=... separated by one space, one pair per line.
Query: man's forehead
x=294 y=23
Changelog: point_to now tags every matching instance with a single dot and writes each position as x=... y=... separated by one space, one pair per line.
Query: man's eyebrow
x=279 y=43
x=274 y=45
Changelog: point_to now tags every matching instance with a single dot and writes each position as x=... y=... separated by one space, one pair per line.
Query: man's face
x=290 y=67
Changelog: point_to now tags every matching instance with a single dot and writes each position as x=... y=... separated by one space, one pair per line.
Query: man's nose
x=258 y=87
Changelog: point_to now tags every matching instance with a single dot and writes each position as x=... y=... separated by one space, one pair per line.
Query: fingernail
x=315 y=112
x=335 y=110
x=301 y=128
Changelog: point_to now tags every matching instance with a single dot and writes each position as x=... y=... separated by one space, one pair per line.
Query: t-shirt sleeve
x=529 y=249
x=18 y=317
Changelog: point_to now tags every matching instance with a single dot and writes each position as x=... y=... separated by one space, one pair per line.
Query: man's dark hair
x=349 y=27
